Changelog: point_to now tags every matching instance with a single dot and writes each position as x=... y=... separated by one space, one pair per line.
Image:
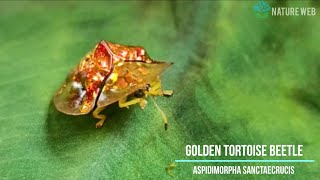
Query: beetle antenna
x=164 y=117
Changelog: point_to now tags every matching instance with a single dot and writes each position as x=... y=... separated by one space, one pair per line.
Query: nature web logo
x=261 y=8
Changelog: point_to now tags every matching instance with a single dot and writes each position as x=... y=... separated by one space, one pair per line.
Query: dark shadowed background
x=238 y=79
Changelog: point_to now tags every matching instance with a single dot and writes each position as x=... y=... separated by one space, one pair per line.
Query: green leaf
x=237 y=79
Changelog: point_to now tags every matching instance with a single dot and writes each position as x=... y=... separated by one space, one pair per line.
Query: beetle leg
x=167 y=92
x=124 y=103
x=159 y=92
x=101 y=117
x=155 y=90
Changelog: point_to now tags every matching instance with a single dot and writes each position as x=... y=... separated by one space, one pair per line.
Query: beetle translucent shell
x=105 y=75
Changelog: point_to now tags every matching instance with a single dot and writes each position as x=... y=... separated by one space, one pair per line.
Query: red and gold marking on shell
x=91 y=73
x=129 y=53
x=121 y=53
x=97 y=67
x=99 y=64
x=86 y=81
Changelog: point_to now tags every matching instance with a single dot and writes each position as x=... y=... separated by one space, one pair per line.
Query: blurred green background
x=238 y=79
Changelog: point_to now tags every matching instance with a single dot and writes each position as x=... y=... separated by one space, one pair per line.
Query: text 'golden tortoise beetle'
x=110 y=73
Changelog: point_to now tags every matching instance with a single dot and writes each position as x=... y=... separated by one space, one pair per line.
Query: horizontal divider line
x=247 y=160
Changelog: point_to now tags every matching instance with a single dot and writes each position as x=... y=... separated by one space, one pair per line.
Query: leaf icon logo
x=261 y=8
